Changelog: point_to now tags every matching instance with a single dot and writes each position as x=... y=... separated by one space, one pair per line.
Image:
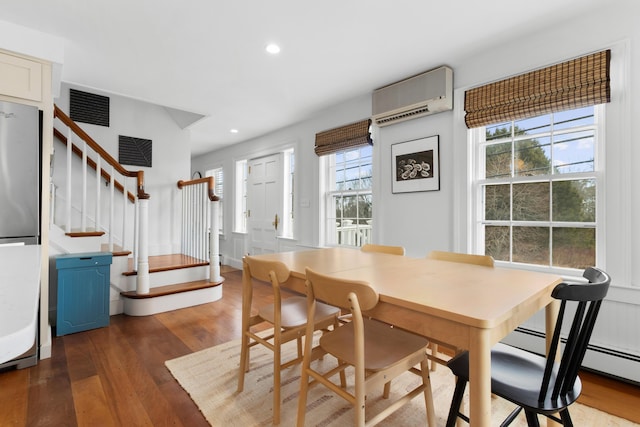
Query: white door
x=264 y=200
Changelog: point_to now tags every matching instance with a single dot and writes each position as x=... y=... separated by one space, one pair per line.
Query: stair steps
x=176 y=281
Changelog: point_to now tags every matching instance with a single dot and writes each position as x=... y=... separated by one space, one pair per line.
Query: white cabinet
x=21 y=78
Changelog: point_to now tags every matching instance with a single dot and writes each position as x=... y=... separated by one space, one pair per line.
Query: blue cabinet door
x=83 y=292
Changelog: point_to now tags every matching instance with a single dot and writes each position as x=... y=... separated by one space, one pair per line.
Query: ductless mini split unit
x=427 y=93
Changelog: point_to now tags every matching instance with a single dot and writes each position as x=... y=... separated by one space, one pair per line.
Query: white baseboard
x=607 y=361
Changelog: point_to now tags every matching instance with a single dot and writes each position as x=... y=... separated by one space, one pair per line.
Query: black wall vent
x=89 y=108
x=134 y=151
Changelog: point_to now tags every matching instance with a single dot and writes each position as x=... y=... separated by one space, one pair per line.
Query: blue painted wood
x=83 y=292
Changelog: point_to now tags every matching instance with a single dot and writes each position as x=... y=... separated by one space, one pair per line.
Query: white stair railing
x=200 y=223
x=77 y=217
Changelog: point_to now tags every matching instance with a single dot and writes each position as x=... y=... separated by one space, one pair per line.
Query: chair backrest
x=336 y=291
x=485 y=260
x=385 y=249
x=588 y=298
x=263 y=269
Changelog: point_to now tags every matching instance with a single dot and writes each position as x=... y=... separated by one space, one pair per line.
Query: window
x=348 y=197
x=288 y=214
x=240 y=219
x=218 y=189
x=537 y=186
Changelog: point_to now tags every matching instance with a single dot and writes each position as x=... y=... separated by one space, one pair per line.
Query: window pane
x=575 y=200
x=574 y=152
x=532 y=125
x=500 y=130
x=498 y=160
x=531 y=245
x=572 y=118
x=497 y=242
x=364 y=208
x=574 y=247
x=497 y=202
x=533 y=157
x=531 y=202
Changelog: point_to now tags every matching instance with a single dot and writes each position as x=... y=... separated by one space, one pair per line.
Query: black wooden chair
x=538 y=384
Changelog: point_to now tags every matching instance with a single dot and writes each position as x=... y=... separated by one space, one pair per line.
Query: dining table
x=462 y=306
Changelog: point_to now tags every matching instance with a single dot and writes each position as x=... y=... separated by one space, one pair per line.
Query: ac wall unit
x=427 y=93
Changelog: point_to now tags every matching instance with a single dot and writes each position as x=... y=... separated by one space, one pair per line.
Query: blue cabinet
x=83 y=292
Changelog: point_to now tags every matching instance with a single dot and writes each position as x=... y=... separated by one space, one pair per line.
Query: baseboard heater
x=620 y=365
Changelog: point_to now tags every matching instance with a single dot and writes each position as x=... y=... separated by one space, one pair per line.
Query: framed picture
x=415 y=165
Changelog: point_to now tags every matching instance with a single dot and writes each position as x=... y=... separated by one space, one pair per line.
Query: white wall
x=437 y=220
x=170 y=159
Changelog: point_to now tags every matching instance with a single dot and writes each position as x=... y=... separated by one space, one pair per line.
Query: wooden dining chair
x=385 y=249
x=287 y=317
x=539 y=384
x=376 y=351
x=484 y=260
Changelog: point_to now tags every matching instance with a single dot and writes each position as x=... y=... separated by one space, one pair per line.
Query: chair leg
x=566 y=418
x=434 y=354
x=428 y=395
x=302 y=397
x=456 y=401
x=532 y=419
x=276 y=382
x=387 y=390
x=244 y=360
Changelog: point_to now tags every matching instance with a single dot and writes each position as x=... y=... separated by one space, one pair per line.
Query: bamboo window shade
x=577 y=83
x=343 y=137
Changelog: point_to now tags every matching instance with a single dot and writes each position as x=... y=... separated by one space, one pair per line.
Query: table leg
x=480 y=378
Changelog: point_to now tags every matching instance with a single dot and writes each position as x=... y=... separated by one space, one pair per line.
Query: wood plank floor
x=115 y=376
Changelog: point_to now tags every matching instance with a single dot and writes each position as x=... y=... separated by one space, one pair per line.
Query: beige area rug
x=210 y=378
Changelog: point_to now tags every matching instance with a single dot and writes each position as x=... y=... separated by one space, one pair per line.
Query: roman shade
x=348 y=136
x=573 y=84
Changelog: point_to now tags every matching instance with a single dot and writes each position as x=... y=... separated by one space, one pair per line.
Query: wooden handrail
x=139 y=175
x=92 y=163
x=210 y=186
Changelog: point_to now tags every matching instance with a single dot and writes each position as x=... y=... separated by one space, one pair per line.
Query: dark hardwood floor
x=115 y=376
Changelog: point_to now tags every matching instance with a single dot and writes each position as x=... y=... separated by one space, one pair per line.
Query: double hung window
x=538 y=187
x=348 y=197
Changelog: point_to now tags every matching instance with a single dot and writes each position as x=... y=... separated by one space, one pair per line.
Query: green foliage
x=573 y=201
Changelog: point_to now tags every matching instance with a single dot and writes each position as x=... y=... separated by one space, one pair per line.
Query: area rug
x=210 y=378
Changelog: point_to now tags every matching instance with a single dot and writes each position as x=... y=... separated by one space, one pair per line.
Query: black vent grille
x=134 y=151
x=89 y=108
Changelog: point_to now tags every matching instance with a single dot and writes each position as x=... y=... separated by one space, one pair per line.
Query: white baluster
x=112 y=186
x=98 y=189
x=68 y=204
x=124 y=210
x=83 y=209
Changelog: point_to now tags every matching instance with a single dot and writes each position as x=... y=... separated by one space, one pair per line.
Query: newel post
x=214 y=243
x=142 y=278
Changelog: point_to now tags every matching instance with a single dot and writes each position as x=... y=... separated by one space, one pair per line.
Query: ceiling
x=207 y=57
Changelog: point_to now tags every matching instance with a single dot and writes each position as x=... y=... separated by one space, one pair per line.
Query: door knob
x=275 y=222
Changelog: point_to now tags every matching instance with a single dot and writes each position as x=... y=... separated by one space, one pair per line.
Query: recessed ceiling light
x=234 y=131
x=273 y=48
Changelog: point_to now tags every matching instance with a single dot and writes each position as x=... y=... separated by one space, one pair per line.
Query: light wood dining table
x=464 y=306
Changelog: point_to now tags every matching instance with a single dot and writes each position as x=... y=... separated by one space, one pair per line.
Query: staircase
x=140 y=285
